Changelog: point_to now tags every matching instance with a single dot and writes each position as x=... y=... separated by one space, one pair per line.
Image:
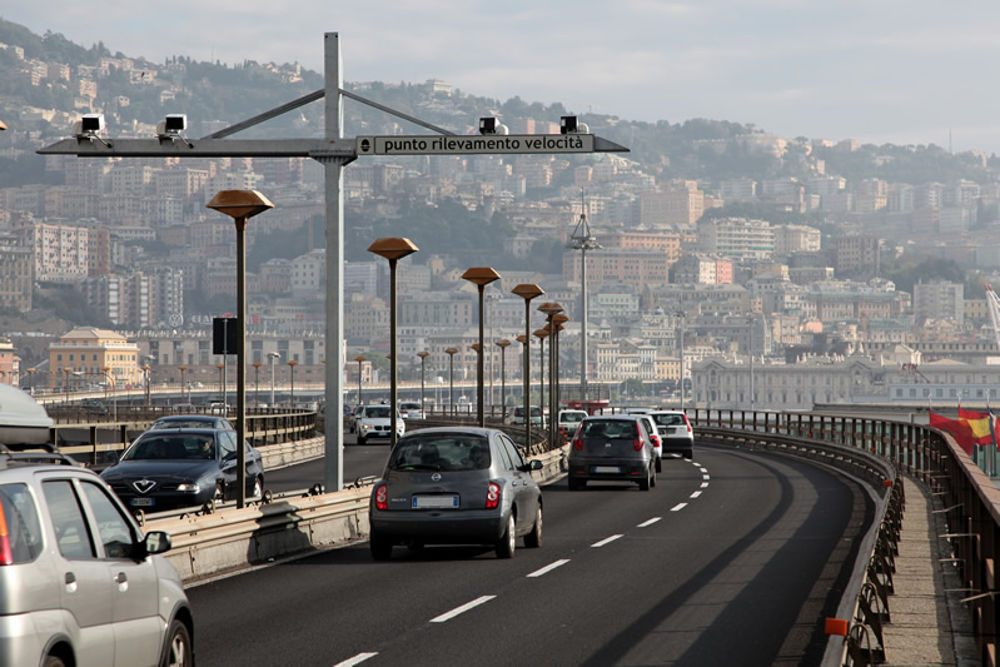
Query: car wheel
x=659 y=464
x=381 y=548
x=507 y=543
x=689 y=454
x=178 y=651
x=53 y=661
x=644 y=483
x=533 y=540
x=361 y=441
x=576 y=484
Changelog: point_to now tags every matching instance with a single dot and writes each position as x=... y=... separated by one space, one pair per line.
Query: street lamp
x=423 y=354
x=393 y=249
x=31 y=380
x=503 y=344
x=481 y=276
x=527 y=291
x=558 y=319
x=551 y=309
x=222 y=385
x=541 y=334
x=272 y=357
x=256 y=383
x=66 y=371
x=145 y=374
x=291 y=383
x=182 y=368
x=583 y=240
x=680 y=339
x=360 y=359
x=451 y=351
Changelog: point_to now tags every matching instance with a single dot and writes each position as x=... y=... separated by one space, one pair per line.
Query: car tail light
x=6 y=555
x=637 y=444
x=492 y=496
x=382 y=497
x=655 y=439
x=578 y=444
x=688 y=423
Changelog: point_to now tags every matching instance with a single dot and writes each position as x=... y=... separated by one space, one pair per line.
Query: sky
x=878 y=71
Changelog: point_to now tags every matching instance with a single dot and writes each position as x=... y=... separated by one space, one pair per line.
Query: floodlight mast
x=334 y=152
x=583 y=240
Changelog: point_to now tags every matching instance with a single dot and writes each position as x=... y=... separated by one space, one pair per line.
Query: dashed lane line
x=648 y=522
x=695 y=494
x=606 y=540
x=448 y=615
x=356 y=660
x=678 y=507
x=548 y=568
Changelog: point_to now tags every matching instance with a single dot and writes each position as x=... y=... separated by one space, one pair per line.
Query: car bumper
x=614 y=469
x=671 y=445
x=439 y=526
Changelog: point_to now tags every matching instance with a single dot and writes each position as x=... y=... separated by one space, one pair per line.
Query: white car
x=411 y=410
x=570 y=419
x=676 y=433
x=375 y=422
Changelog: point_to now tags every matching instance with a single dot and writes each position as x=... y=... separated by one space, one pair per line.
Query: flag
x=981 y=425
x=957 y=428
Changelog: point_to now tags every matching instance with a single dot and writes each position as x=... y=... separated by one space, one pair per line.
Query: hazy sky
x=897 y=71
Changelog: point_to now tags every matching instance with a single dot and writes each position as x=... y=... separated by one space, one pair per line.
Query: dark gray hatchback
x=612 y=447
x=456 y=485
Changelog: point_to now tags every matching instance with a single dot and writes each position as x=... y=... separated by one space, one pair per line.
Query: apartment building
x=88 y=355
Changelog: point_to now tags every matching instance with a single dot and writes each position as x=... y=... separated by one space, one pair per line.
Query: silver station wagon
x=456 y=485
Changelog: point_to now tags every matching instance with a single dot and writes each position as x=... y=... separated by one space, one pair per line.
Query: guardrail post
x=123 y=435
x=93 y=444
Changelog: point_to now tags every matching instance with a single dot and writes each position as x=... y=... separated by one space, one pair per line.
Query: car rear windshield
x=611 y=429
x=184 y=423
x=668 y=419
x=441 y=452
x=20 y=532
x=172 y=447
x=380 y=411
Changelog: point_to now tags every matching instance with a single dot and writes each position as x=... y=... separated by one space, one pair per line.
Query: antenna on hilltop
x=581 y=239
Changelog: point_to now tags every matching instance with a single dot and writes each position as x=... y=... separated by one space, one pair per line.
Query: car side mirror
x=533 y=464
x=155 y=542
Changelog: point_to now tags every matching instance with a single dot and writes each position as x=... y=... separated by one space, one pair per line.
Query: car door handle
x=70 y=580
x=121 y=578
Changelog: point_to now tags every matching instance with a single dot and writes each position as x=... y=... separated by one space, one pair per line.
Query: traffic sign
x=475 y=144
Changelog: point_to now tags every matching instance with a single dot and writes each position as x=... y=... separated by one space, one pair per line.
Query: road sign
x=475 y=144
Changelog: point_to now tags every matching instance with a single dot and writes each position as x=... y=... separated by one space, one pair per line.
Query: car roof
x=630 y=417
x=465 y=430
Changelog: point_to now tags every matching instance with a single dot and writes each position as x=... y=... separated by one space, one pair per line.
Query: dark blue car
x=170 y=468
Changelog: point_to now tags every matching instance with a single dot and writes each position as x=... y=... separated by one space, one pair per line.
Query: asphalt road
x=733 y=558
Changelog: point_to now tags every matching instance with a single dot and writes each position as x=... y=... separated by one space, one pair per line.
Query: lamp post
x=451 y=351
x=558 y=319
x=583 y=240
x=272 y=357
x=541 y=334
x=66 y=371
x=750 y=319
x=551 y=309
x=31 y=380
x=423 y=354
x=481 y=276
x=256 y=383
x=183 y=368
x=680 y=338
x=393 y=249
x=527 y=291
x=222 y=384
x=145 y=374
x=291 y=383
x=240 y=205
x=360 y=359
x=503 y=344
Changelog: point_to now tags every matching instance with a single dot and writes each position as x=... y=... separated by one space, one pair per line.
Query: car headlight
x=188 y=487
x=366 y=427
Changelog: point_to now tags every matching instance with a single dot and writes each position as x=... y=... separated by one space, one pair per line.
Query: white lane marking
x=548 y=568
x=704 y=485
x=706 y=477
x=695 y=494
x=356 y=660
x=678 y=507
x=448 y=615
x=648 y=522
x=606 y=540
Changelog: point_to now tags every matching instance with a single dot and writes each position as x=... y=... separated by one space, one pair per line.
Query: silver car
x=456 y=485
x=676 y=434
x=81 y=584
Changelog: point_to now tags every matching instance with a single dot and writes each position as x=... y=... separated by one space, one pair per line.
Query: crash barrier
x=969 y=503
x=211 y=544
x=106 y=440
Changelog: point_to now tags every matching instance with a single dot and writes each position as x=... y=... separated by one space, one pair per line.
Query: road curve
x=733 y=558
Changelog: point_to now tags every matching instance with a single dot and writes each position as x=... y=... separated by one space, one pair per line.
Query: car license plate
x=143 y=502
x=435 y=502
x=600 y=469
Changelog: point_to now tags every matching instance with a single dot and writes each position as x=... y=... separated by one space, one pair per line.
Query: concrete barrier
x=233 y=540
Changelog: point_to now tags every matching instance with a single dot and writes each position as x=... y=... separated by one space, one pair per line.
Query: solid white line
x=648 y=522
x=704 y=485
x=356 y=660
x=548 y=568
x=695 y=494
x=678 y=507
x=606 y=540
x=448 y=615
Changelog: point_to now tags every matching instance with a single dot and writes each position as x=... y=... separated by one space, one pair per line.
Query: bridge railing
x=970 y=503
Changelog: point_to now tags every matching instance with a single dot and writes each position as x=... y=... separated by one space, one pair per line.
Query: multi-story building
x=938 y=299
x=619 y=265
x=87 y=355
x=737 y=238
x=61 y=252
x=16 y=274
x=790 y=239
x=856 y=254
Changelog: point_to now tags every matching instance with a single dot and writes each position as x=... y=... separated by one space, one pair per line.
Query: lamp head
x=528 y=291
x=239 y=203
x=481 y=275
x=393 y=248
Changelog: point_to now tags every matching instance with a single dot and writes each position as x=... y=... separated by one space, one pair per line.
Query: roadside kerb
x=232 y=540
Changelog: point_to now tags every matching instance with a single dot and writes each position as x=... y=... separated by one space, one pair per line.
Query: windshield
x=611 y=429
x=378 y=411
x=573 y=417
x=673 y=419
x=171 y=447
x=443 y=451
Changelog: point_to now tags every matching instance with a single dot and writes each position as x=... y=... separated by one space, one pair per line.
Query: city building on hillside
x=939 y=299
x=737 y=238
x=90 y=356
x=16 y=275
